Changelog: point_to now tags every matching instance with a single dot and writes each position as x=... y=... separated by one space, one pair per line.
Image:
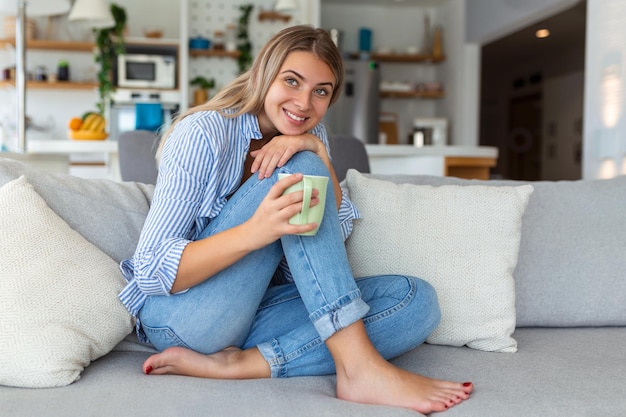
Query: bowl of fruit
x=91 y=126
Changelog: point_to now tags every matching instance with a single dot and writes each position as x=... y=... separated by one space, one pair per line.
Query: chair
x=348 y=152
x=137 y=150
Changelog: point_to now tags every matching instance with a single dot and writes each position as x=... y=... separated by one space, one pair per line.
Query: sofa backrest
x=571 y=268
x=109 y=214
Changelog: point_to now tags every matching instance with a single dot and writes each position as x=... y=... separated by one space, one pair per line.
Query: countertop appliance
x=430 y=131
x=126 y=111
x=357 y=110
x=146 y=71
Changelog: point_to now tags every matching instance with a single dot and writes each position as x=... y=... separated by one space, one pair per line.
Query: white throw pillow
x=58 y=295
x=463 y=240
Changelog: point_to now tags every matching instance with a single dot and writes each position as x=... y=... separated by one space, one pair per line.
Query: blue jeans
x=289 y=323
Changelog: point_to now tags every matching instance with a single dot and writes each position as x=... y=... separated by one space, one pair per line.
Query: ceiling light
x=96 y=13
x=542 y=33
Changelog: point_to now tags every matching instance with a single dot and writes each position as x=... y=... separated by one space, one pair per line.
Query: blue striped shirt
x=201 y=165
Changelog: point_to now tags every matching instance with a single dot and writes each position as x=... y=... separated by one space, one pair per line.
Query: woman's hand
x=204 y=258
x=271 y=219
x=280 y=149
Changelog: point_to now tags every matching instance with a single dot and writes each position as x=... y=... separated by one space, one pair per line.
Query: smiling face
x=299 y=96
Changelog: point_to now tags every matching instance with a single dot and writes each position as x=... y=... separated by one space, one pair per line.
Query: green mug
x=309 y=214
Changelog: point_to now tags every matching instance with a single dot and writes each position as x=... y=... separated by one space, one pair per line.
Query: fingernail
x=148 y=369
x=467 y=384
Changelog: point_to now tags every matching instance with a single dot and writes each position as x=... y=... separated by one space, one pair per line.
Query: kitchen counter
x=472 y=162
x=65 y=146
x=78 y=155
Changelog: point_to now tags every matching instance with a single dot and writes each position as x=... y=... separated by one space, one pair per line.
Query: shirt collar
x=250 y=126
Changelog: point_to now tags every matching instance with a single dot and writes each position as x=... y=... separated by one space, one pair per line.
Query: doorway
x=521 y=155
x=517 y=110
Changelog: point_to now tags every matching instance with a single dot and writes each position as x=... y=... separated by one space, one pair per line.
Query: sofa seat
x=556 y=372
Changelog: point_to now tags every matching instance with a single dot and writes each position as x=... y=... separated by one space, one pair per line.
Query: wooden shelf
x=139 y=40
x=413 y=94
x=214 y=53
x=83 y=46
x=408 y=58
x=57 y=85
x=51 y=45
x=272 y=15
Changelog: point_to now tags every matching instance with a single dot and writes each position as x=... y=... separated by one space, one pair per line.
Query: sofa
x=562 y=353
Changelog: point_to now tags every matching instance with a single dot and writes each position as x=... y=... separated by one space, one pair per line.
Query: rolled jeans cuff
x=274 y=357
x=338 y=315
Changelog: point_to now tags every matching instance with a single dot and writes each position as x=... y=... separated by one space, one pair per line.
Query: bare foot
x=230 y=363
x=364 y=376
x=385 y=384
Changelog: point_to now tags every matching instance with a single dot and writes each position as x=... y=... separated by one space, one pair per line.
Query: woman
x=222 y=284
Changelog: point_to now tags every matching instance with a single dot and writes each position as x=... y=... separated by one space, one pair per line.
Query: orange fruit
x=75 y=123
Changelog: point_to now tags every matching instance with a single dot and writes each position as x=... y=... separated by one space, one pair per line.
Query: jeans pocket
x=163 y=337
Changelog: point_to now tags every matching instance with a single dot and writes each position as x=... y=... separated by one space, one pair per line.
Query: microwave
x=146 y=71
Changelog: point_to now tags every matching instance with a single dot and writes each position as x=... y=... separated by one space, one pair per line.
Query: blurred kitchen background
x=464 y=75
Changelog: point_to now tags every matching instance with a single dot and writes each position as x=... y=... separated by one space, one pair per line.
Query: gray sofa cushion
x=555 y=373
x=108 y=214
x=571 y=266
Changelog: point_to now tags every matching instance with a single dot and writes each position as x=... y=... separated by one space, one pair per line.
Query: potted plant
x=109 y=42
x=201 y=94
x=63 y=71
x=244 y=46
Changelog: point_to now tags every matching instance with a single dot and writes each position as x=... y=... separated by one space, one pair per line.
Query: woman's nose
x=303 y=100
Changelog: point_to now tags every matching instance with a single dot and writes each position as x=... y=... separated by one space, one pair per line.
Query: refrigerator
x=357 y=110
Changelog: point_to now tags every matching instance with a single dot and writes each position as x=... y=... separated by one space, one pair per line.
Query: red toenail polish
x=467 y=384
x=148 y=369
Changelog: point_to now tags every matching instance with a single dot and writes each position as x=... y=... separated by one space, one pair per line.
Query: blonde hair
x=246 y=94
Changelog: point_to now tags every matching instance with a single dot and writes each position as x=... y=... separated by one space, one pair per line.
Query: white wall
x=605 y=92
x=461 y=72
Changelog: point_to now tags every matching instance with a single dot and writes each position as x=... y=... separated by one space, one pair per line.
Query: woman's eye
x=291 y=81
x=321 y=92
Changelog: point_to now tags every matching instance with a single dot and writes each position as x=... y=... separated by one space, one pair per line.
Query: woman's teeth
x=294 y=117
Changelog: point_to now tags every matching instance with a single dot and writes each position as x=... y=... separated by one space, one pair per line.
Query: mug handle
x=307 y=187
